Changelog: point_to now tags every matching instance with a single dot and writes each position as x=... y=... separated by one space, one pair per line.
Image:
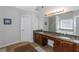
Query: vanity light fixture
x=49 y=14
x=60 y=11
x=54 y=12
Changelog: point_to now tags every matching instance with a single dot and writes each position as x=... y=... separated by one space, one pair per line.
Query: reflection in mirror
x=67 y=23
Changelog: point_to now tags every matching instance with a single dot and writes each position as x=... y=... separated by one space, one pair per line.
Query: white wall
x=42 y=19
x=41 y=23
x=35 y=21
x=9 y=33
x=46 y=26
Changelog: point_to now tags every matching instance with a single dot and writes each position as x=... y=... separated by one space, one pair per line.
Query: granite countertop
x=62 y=37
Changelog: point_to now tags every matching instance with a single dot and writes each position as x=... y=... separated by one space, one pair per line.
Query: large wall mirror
x=67 y=23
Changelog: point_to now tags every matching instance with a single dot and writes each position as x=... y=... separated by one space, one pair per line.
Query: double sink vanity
x=62 y=42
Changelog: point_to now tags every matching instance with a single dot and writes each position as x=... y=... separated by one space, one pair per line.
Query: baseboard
x=2 y=46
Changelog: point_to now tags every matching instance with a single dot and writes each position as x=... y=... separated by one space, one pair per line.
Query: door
x=26 y=28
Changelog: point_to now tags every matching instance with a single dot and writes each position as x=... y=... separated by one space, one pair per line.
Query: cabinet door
x=67 y=46
x=63 y=46
x=76 y=47
x=41 y=39
x=57 y=45
x=44 y=40
x=38 y=39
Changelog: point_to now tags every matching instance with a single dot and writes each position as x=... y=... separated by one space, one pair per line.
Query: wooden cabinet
x=60 y=45
x=67 y=46
x=57 y=45
x=63 y=46
x=76 y=47
x=40 y=39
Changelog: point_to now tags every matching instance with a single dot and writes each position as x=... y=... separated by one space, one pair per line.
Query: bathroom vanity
x=62 y=43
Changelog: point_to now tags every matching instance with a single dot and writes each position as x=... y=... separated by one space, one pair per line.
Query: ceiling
x=47 y=9
x=26 y=8
x=68 y=8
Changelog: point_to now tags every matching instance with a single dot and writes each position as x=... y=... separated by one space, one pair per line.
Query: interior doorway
x=26 y=28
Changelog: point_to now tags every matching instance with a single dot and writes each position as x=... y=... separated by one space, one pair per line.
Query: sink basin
x=64 y=37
